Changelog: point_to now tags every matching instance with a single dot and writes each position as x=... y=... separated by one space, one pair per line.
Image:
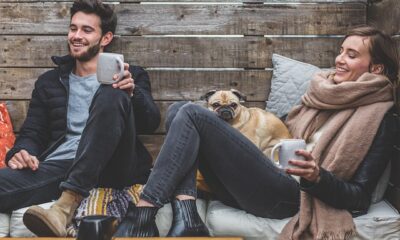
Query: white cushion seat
x=4 y=224
x=381 y=222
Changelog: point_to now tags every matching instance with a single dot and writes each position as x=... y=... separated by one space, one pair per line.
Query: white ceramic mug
x=287 y=149
x=108 y=65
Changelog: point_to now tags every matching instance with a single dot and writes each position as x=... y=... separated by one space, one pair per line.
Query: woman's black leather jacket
x=355 y=194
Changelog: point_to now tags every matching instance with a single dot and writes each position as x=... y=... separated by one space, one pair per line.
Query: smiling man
x=79 y=134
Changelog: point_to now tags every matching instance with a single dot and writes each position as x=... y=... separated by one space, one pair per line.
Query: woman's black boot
x=138 y=222
x=186 y=222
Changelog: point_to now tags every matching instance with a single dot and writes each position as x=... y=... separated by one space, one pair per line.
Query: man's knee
x=110 y=98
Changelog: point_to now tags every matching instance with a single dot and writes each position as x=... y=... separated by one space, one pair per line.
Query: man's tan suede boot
x=53 y=222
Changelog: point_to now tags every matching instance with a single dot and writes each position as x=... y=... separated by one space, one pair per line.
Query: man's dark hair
x=104 y=11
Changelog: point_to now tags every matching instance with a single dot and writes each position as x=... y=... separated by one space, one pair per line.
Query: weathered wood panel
x=153 y=144
x=385 y=14
x=19 y=109
x=17 y=83
x=190 y=85
x=200 y=52
x=138 y=19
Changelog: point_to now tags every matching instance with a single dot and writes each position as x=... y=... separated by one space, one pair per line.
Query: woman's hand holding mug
x=307 y=169
x=295 y=160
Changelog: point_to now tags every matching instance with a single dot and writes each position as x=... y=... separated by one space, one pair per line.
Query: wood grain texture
x=153 y=144
x=221 y=19
x=18 y=110
x=197 y=52
x=385 y=15
x=18 y=83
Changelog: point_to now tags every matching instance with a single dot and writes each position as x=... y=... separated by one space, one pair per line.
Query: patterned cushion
x=108 y=201
x=289 y=82
x=105 y=201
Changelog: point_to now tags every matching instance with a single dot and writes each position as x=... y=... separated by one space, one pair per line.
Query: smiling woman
x=354 y=59
x=366 y=50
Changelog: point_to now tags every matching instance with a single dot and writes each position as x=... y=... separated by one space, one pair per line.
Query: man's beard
x=88 y=55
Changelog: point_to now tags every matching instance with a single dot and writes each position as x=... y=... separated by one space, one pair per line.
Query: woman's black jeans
x=238 y=173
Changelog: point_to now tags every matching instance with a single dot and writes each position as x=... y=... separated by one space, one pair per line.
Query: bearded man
x=79 y=134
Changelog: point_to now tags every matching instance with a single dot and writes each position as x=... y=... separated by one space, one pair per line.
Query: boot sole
x=37 y=225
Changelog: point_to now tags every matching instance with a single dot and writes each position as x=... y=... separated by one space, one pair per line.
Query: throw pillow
x=290 y=80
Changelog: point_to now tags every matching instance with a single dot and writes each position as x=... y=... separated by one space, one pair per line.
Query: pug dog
x=263 y=128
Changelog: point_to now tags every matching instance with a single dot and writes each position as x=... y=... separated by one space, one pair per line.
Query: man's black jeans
x=106 y=157
x=238 y=173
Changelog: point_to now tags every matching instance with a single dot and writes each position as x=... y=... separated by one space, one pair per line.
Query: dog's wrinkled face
x=225 y=103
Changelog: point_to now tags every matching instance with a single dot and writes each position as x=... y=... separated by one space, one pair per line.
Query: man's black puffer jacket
x=355 y=194
x=45 y=126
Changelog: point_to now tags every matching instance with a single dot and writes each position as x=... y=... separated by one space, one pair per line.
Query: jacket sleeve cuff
x=138 y=96
x=11 y=153
x=316 y=188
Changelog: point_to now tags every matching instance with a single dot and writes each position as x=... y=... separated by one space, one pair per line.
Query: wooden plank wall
x=188 y=47
x=390 y=9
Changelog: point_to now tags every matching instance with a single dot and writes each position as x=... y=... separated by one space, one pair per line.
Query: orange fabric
x=7 y=136
x=201 y=184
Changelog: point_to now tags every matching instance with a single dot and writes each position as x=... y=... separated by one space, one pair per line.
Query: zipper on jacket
x=57 y=143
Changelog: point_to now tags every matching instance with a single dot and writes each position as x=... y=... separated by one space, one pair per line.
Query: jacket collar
x=65 y=65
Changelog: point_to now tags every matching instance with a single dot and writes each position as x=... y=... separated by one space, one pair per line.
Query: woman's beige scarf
x=355 y=110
